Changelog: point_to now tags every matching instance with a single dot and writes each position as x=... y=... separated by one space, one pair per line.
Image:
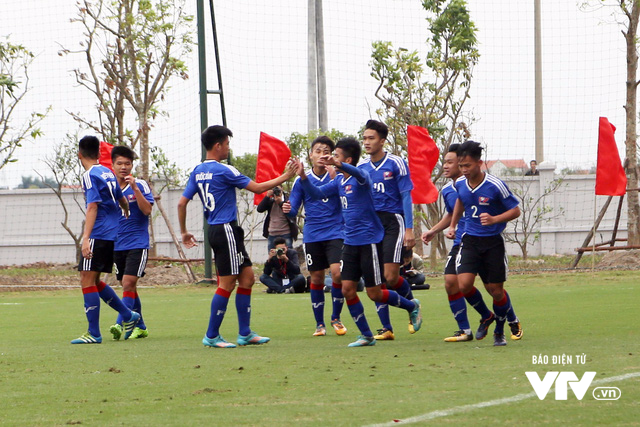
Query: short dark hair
x=89 y=147
x=122 y=151
x=472 y=149
x=351 y=148
x=453 y=148
x=279 y=241
x=323 y=139
x=215 y=135
x=379 y=127
x=533 y=161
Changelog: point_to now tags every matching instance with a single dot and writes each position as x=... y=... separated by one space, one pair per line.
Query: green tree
x=15 y=60
x=429 y=92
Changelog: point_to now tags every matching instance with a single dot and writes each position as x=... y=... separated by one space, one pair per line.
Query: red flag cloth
x=105 y=155
x=610 y=177
x=273 y=156
x=423 y=155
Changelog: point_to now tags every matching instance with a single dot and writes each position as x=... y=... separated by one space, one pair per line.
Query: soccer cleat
x=252 y=338
x=338 y=327
x=217 y=342
x=320 y=331
x=87 y=338
x=484 y=327
x=139 y=333
x=116 y=331
x=415 y=317
x=363 y=341
x=459 y=336
x=499 y=340
x=516 y=330
x=128 y=326
x=385 y=334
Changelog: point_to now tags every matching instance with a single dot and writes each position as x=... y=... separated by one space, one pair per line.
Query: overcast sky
x=263 y=52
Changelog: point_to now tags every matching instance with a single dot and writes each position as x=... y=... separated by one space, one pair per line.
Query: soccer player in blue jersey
x=105 y=205
x=216 y=184
x=456 y=297
x=392 y=198
x=362 y=250
x=132 y=245
x=487 y=204
x=323 y=236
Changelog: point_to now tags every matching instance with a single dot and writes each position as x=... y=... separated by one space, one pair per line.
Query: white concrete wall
x=30 y=229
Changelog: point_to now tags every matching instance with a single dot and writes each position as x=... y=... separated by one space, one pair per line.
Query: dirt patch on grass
x=621 y=259
x=43 y=276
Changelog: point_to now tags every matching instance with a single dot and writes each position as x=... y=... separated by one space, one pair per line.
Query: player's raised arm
x=261 y=187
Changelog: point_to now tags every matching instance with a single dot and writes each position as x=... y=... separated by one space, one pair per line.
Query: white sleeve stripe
x=87 y=180
x=400 y=163
x=500 y=185
x=144 y=184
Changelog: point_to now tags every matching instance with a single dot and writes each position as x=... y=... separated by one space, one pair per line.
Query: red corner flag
x=610 y=177
x=423 y=156
x=105 y=155
x=273 y=156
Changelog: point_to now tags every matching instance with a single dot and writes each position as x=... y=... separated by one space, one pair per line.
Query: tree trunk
x=633 y=222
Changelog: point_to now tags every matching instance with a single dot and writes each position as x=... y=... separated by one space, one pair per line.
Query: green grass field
x=171 y=379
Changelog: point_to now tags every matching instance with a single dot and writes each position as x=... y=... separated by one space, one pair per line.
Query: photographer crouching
x=282 y=271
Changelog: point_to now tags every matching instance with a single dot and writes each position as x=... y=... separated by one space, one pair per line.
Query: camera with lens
x=277 y=191
x=279 y=252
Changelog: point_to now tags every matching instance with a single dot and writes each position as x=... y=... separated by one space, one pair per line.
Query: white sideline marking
x=467 y=408
x=11 y=303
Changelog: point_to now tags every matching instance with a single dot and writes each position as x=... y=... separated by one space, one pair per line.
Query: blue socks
x=92 y=309
x=338 y=300
x=243 y=307
x=459 y=309
x=109 y=296
x=317 y=303
x=219 y=304
x=474 y=298
x=357 y=313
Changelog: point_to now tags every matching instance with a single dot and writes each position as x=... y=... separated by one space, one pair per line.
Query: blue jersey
x=101 y=186
x=390 y=178
x=323 y=217
x=133 y=232
x=449 y=195
x=361 y=223
x=491 y=196
x=216 y=185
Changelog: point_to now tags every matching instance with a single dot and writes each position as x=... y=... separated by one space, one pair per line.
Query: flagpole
x=593 y=253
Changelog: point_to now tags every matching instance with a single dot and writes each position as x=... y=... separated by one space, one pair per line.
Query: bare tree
x=525 y=230
x=67 y=173
x=15 y=60
x=132 y=48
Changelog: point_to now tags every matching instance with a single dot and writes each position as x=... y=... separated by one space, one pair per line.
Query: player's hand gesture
x=332 y=171
x=428 y=236
x=451 y=233
x=286 y=207
x=292 y=167
x=129 y=179
x=486 y=219
x=327 y=160
x=409 y=238
x=189 y=240
x=86 y=249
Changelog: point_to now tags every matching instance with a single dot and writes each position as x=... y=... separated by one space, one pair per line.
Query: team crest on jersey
x=131 y=197
x=483 y=201
x=347 y=189
x=388 y=175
